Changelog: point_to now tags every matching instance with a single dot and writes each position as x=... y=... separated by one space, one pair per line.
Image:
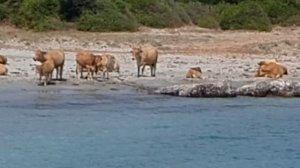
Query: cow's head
x=135 y=51
x=39 y=56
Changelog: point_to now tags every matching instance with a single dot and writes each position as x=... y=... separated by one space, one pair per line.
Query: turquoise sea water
x=82 y=128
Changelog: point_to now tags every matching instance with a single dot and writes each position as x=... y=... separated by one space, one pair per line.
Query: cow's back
x=58 y=57
x=108 y=62
x=85 y=59
x=47 y=67
x=149 y=56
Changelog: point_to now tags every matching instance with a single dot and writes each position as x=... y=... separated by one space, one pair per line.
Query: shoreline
x=222 y=55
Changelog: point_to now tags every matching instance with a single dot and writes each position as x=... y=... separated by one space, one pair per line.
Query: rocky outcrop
x=283 y=88
x=219 y=89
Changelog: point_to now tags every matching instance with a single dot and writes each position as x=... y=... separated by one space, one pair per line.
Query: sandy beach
x=222 y=55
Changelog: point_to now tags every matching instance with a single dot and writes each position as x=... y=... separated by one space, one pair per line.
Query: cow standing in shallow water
x=145 y=56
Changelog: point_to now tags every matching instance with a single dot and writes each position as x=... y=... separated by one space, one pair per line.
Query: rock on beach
x=282 y=88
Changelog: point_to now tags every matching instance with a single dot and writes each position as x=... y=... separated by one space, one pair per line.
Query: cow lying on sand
x=145 y=56
x=271 y=69
x=58 y=57
x=194 y=73
x=3 y=62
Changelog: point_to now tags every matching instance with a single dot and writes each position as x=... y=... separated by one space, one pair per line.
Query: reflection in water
x=46 y=99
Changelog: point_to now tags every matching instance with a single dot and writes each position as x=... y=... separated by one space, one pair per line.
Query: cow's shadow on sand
x=53 y=82
x=60 y=80
x=49 y=83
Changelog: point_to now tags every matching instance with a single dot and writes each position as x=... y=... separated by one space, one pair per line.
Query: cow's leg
x=57 y=72
x=154 y=69
x=81 y=72
x=88 y=74
x=92 y=75
x=46 y=79
x=40 y=79
x=143 y=68
x=77 y=69
x=50 y=76
x=138 y=70
x=151 y=70
x=61 y=71
x=107 y=75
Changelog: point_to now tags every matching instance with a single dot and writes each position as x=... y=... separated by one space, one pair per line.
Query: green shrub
x=156 y=13
x=182 y=13
x=292 y=20
x=195 y=10
x=108 y=17
x=39 y=15
x=282 y=12
x=277 y=10
x=3 y=12
x=246 y=15
x=208 y=22
x=127 y=15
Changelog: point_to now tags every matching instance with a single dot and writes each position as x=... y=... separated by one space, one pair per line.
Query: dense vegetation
x=128 y=15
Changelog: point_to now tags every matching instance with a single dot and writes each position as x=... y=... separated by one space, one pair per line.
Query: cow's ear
x=261 y=63
x=140 y=50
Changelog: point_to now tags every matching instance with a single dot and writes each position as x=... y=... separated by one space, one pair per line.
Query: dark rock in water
x=219 y=89
x=271 y=88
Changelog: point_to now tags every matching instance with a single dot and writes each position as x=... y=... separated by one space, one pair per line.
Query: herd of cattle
x=144 y=56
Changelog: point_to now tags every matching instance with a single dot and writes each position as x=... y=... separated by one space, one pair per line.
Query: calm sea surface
x=85 y=128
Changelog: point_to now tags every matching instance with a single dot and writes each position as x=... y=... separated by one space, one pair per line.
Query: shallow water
x=86 y=128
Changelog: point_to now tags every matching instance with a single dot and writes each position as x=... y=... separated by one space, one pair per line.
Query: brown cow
x=88 y=61
x=3 y=69
x=145 y=56
x=46 y=70
x=194 y=73
x=108 y=64
x=58 y=57
x=3 y=59
x=271 y=69
x=268 y=61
